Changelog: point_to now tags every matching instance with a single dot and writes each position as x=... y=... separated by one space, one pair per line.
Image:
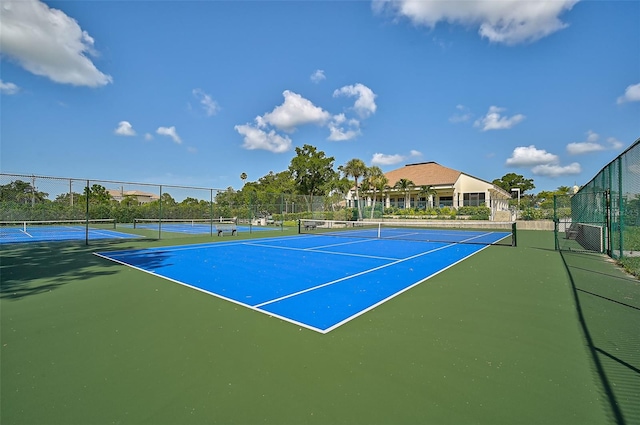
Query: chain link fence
x=150 y=210
x=170 y=211
x=604 y=215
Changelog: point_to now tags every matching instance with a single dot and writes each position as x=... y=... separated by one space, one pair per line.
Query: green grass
x=494 y=340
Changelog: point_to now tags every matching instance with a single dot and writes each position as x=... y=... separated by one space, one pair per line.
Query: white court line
x=435 y=235
x=353 y=275
x=345 y=243
x=208 y=244
x=316 y=250
x=111 y=234
x=257 y=308
x=26 y=233
x=405 y=289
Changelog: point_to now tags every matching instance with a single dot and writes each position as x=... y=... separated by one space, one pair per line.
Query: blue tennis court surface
x=318 y=282
x=58 y=233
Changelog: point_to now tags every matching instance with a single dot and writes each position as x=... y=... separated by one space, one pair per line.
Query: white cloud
x=365 y=104
x=615 y=143
x=255 y=138
x=554 y=170
x=209 y=105
x=580 y=148
x=47 y=42
x=8 y=88
x=542 y=162
x=148 y=136
x=338 y=131
x=631 y=94
x=463 y=115
x=592 y=144
x=318 y=76
x=295 y=111
x=415 y=153
x=171 y=132
x=494 y=121
x=124 y=129
x=527 y=156
x=507 y=21
x=592 y=136
x=383 y=159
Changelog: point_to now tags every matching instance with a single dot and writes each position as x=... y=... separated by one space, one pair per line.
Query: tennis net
x=155 y=223
x=464 y=232
x=10 y=228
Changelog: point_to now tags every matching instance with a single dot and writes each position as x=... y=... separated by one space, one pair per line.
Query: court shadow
x=143 y=259
x=32 y=269
x=608 y=306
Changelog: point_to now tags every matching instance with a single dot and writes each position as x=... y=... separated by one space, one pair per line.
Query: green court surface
x=508 y=336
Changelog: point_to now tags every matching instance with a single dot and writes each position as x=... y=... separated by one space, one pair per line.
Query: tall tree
x=97 y=193
x=377 y=182
x=514 y=181
x=21 y=192
x=405 y=186
x=312 y=171
x=355 y=168
x=427 y=191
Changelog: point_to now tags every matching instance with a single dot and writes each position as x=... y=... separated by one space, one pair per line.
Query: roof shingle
x=424 y=174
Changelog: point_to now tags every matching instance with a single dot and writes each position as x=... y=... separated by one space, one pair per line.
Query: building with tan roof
x=433 y=185
x=140 y=196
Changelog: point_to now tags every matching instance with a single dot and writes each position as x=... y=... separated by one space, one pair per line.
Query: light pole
x=517 y=189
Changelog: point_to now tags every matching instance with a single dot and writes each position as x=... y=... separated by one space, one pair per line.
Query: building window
x=474 y=200
x=445 y=201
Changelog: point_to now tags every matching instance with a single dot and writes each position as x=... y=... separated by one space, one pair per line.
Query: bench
x=221 y=228
x=310 y=225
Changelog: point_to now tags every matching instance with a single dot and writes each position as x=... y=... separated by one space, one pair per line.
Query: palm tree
x=355 y=168
x=378 y=181
x=405 y=185
x=427 y=191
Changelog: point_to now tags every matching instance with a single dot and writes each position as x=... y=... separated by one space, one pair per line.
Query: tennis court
x=494 y=339
x=49 y=231
x=317 y=281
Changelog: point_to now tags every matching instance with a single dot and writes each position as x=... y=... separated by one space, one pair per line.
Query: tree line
x=310 y=179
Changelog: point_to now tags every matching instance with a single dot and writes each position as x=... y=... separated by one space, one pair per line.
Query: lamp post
x=517 y=189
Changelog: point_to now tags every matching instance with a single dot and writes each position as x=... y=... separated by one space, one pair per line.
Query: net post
x=299 y=226
x=211 y=212
x=514 y=235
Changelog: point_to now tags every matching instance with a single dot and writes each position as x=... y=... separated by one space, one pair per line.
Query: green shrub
x=475 y=213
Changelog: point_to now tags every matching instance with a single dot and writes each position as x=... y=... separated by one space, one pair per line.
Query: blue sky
x=198 y=92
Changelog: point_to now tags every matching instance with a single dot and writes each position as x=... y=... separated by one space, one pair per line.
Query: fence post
x=211 y=211
x=555 y=222
x=160 y=215
x=86 y=227
x=621 y=208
